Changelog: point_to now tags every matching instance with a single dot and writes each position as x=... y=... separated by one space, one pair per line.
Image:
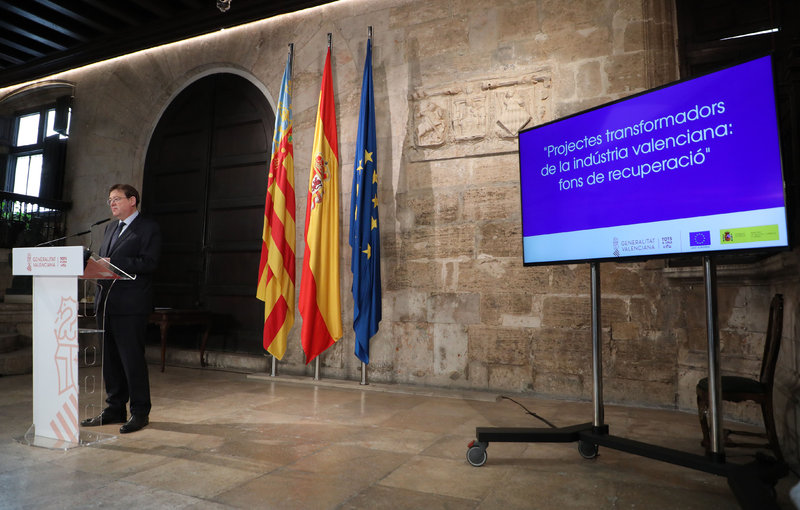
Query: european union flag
x=365 y=236
x=702 y=238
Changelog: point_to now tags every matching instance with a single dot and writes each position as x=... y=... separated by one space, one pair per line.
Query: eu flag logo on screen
x=700 y=238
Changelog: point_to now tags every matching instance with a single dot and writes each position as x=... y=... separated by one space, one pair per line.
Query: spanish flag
x=320 y=304
x=276 y=271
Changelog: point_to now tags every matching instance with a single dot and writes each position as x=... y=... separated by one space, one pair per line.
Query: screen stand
x=597 y=352
x=752 y=484
x=714 y=378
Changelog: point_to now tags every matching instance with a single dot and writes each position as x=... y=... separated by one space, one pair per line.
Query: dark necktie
x=116 y=234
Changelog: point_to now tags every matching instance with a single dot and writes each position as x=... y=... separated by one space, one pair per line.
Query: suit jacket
x=136 y=252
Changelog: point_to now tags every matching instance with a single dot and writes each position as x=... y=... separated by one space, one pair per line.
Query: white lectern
x=55 y=272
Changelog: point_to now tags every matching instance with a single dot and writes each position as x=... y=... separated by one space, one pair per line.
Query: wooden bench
x=168 y=317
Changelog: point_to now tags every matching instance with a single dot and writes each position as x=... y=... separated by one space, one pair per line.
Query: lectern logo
x=66 y=334
x=29 y=267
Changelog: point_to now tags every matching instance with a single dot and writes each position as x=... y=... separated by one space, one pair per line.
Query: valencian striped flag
x=276 y=272
x=320 y=304
x=365 y=236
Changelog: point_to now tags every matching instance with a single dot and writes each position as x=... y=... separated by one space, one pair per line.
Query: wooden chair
x=741 y=389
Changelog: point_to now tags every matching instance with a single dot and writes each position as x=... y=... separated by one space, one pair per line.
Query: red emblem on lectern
x=66 y=333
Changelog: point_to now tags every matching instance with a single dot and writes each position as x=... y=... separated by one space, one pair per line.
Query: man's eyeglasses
x=114 y=200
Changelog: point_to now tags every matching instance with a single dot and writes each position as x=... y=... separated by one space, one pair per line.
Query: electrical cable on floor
x=529 y=411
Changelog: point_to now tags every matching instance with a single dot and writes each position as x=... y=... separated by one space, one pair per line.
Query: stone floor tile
x=393 y=439
x=196 y=476
x=46 y=486
x=551 y=490
x=267 y=452
x=288 y=491
x=119 y=494
x=116 y=462
x=446 y=477
x=391 y=498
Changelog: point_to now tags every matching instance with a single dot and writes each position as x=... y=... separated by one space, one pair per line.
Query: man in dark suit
x=132 y=244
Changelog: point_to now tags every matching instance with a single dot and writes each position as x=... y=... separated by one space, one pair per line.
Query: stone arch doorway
x=205 y=182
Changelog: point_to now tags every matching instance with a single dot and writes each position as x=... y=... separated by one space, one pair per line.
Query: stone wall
x=455 y=80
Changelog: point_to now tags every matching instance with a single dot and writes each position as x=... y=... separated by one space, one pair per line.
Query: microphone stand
x=48 y=243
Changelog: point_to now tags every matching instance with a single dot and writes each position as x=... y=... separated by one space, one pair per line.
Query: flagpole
x=364 y=365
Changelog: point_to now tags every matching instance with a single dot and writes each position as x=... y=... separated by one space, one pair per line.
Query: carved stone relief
x=480 y=117
x=469 y=117
x=430 y=118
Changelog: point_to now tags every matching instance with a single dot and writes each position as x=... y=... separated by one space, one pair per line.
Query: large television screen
x=693 y=167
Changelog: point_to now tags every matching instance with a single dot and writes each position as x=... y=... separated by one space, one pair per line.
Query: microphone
x=91 y=238
x=48 y=243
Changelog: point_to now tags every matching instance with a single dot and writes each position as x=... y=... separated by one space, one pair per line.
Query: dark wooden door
x=205 y=179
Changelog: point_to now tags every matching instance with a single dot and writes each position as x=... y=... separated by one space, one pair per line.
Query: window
x=28 y=175
x=26 y=159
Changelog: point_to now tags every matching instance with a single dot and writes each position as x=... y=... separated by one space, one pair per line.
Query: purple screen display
x=695 y=148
